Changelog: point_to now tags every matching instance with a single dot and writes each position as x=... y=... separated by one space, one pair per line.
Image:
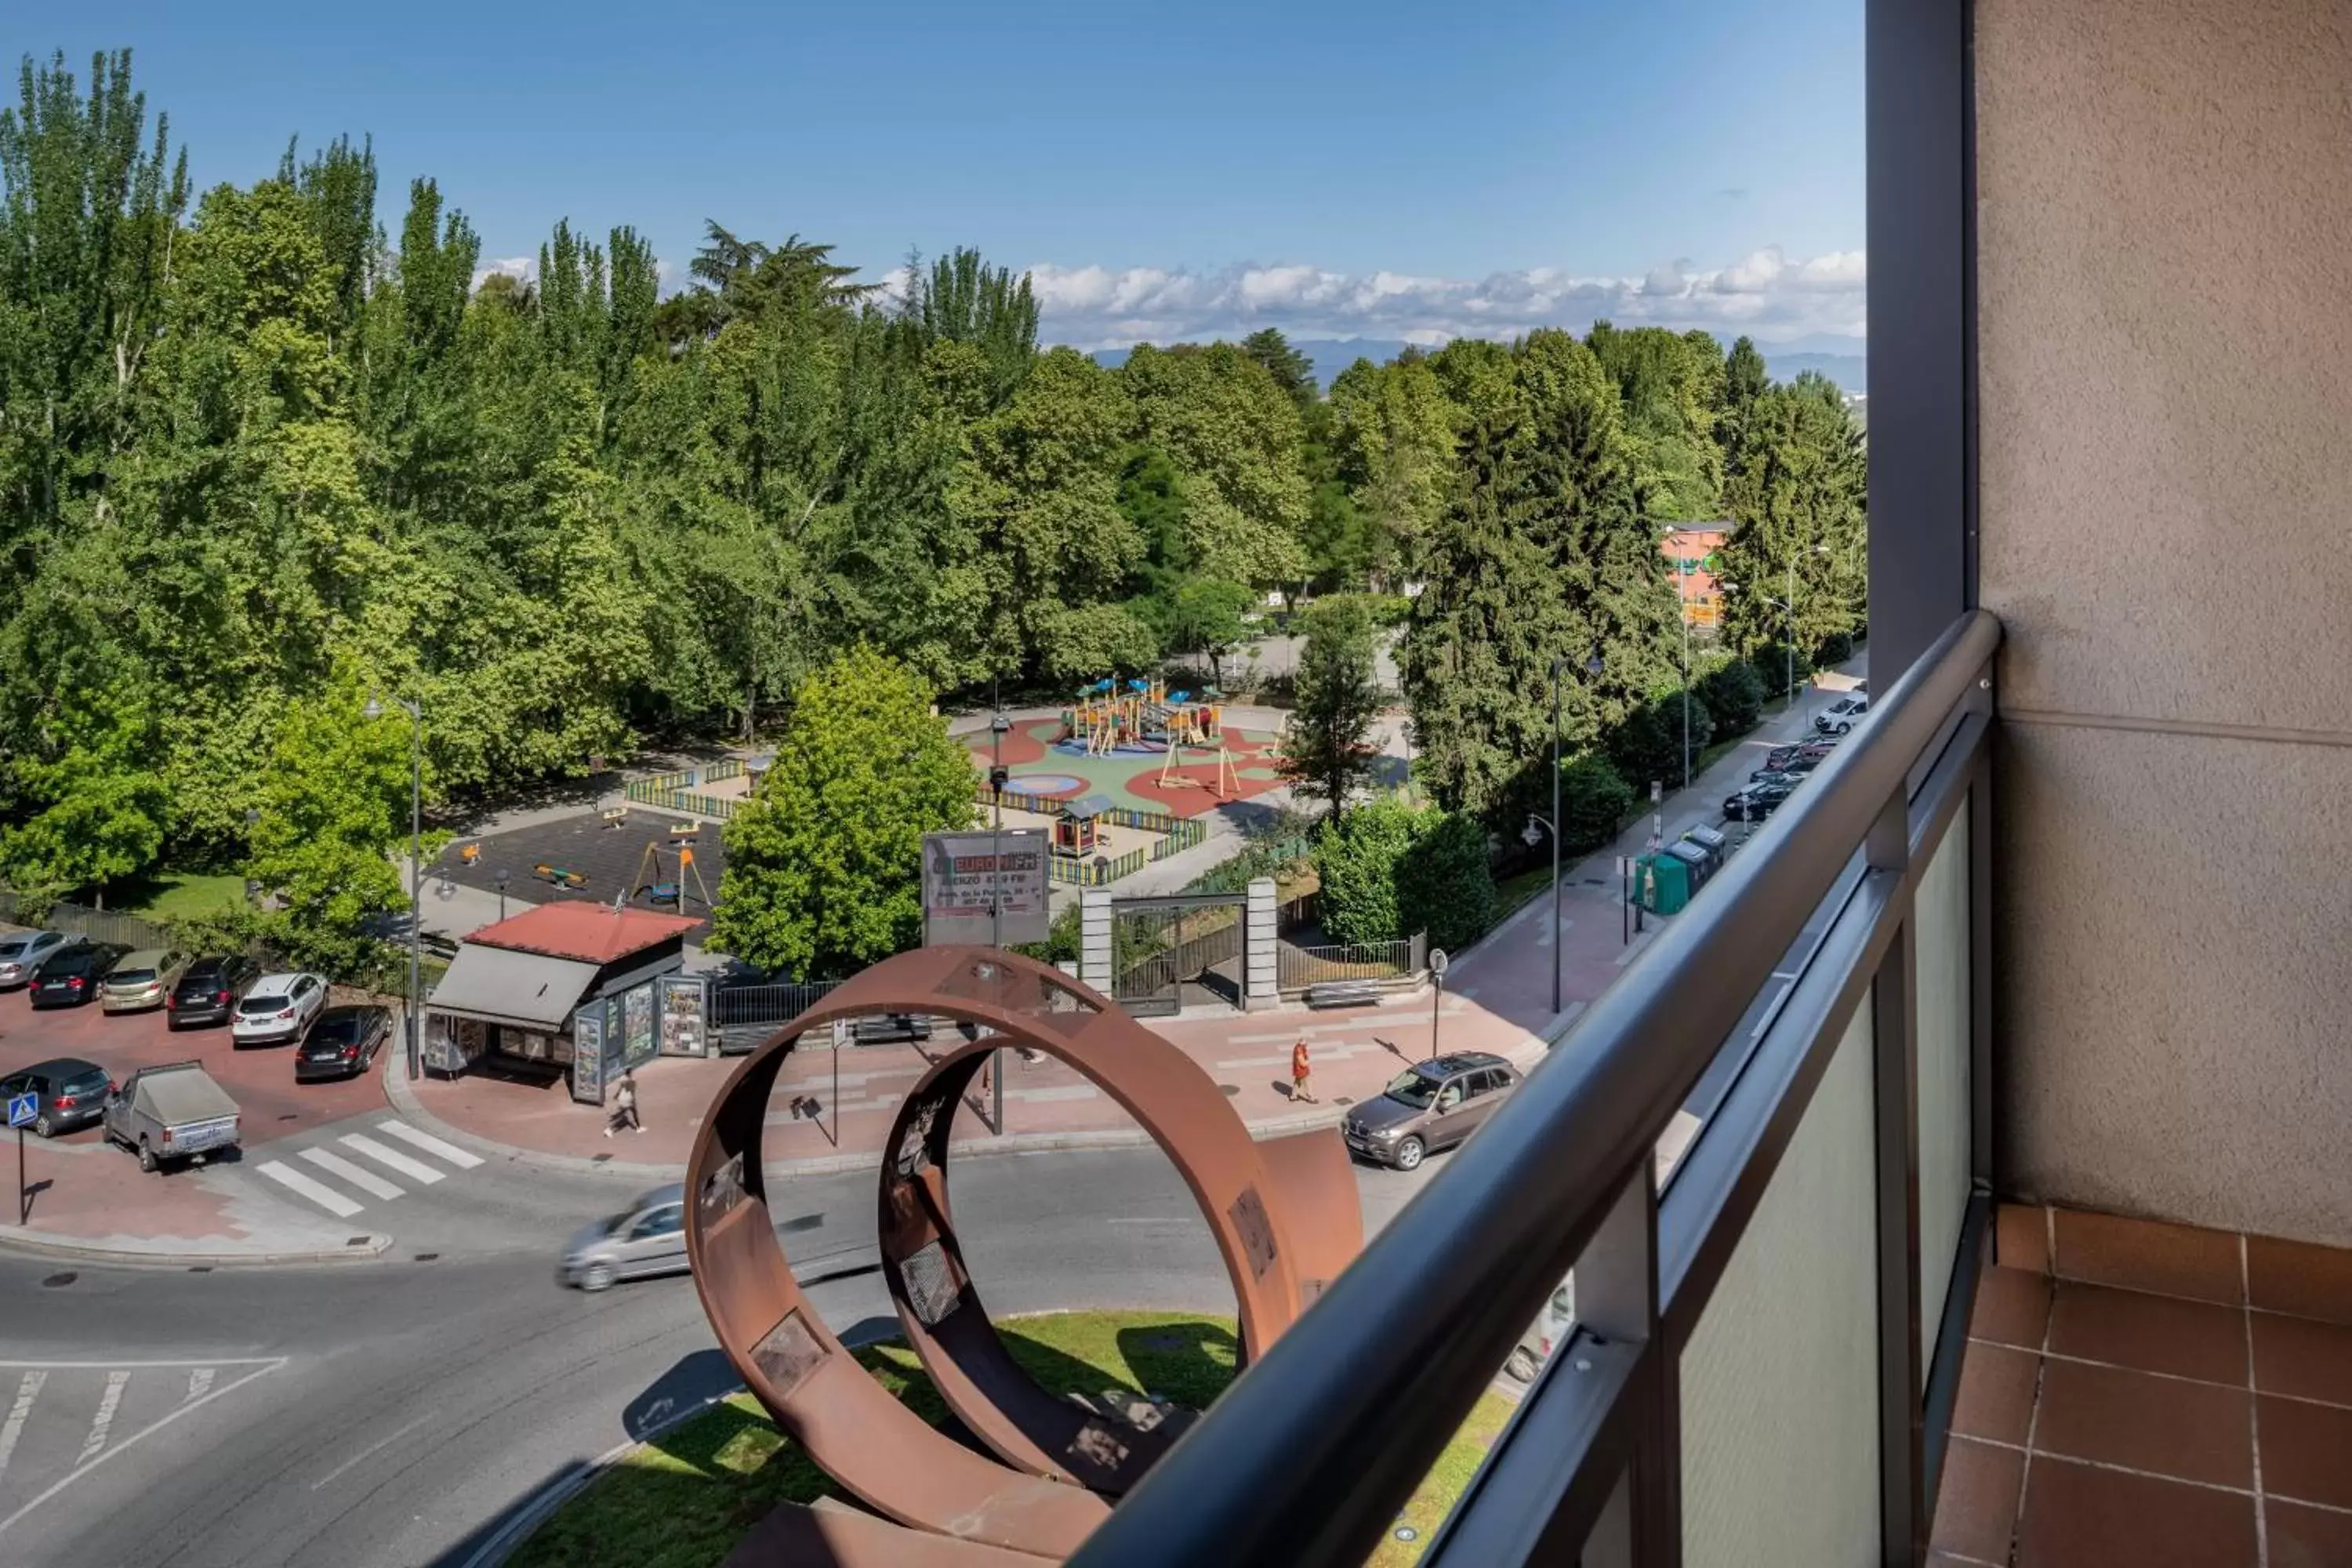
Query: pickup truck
x=171 y=1113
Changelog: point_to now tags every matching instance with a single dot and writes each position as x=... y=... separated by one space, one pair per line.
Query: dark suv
x=72 y=976
x=1431 y=1105
x=207 y=990
x=68 y=1093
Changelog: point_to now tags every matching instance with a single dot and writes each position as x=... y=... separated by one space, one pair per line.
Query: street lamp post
x=1554 y=826
x=415 y=712
x=997 y=725
x=504 y=874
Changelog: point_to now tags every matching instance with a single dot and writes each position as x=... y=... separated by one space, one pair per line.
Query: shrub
x=1062 y=939
x=1836 y=648
x=1593 y=802
x=1734 y=696
x=1773 y=664
x=1446 y=883
x=1357 y=858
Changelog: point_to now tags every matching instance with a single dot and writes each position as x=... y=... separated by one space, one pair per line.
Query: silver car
x=21 y=952
x=141 y=981
x=647 y=1237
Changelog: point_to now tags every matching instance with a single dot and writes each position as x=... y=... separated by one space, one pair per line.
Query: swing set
x=677 y=859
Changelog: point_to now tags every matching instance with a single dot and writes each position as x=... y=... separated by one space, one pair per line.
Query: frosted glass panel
x=1941 y=910
x=1780 y=1380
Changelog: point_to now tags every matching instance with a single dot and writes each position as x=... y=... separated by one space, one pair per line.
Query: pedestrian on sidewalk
x=624 y=1107
x=1298 y=1071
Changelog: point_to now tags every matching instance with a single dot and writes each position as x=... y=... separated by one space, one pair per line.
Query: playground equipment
x=559 y=877
x=1198 y=726
x=676 y=857
x=1077 y=828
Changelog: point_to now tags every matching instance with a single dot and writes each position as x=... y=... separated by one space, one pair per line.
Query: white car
x=1843 y=714
x=278 y=1009
x=21 y=952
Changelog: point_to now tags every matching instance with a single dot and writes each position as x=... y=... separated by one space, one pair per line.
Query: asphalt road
x=389 y=1415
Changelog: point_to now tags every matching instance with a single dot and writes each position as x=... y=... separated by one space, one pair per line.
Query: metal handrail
x=1307 y=1459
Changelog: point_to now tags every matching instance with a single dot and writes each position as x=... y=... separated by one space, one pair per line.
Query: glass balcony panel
x=1941 y=917
x=1780 y=1378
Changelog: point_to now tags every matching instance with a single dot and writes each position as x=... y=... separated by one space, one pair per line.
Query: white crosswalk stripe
x=344 y=1177
x=319 y=1193
x=416 y=1170
x=430 y=1145
x=28 y=1389
x=67 y=1419
x=365 y=1181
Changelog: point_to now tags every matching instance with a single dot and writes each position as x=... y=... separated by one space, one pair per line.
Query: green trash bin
x=1661 y=882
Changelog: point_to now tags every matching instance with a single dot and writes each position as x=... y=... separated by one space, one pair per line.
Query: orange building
x=1691 y=549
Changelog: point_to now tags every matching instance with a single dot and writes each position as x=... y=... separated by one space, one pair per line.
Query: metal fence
x=1296 y=968
x=675 y=791
x=1177 y=834
x=99 y=925
x=1769 y=1302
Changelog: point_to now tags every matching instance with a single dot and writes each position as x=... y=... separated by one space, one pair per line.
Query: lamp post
x=415 y=712
x=997 y=725
x=1530 y=835
x=504 y=874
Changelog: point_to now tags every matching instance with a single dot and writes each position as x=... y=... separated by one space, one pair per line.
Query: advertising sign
x=961 y=874
x=682 y=1013
x=588 y=1054
x=638 y=1025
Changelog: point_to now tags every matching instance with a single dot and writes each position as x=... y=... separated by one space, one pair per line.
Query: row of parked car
x=60 y=969
x=1785 y=767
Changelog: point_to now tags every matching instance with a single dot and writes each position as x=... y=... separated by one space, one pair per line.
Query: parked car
x=171 y=1113
x=1546 y=1334
x=21 y=952
x=72 y=975
x=278 y=1009
x=1433 y=1104
x=1757 y=802
x=342 y=1043
x=69 y=1092
x=208 y=990
x=1843 y=715
x=647 y=1237
x=143 y=980
x=1788 y=775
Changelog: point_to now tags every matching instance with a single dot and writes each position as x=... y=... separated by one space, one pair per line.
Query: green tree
x=1356 y=857
x=1210 y=616
x=1327 y=746
x=333 y=803
x=1445 y=882
x=1594 y=801
x=824 y=863
x=1734 y=694
x=1795 y=490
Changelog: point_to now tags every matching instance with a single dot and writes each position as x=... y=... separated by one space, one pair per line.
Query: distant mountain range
x=1831 y=356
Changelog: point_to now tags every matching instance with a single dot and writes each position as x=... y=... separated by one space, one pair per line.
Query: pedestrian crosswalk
x=59 y=1419
x=343 y=1175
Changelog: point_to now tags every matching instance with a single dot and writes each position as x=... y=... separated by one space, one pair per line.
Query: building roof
x=503 y=986
x=1086 y=805
x=575 y=929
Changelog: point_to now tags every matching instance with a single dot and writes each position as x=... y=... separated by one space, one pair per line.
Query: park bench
x=1345 y=994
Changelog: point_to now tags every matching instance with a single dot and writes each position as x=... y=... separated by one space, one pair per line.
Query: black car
x=69 y=1092
x=72 y=976
x=1788 y=775
x=208 y=990
x=342 y=1043
x=1757 y=802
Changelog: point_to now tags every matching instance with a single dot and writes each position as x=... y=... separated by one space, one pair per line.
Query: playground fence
x=1296 y=968
x=674 y=791
x=1177 y=834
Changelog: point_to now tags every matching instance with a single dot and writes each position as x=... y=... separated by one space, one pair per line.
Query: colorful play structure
x=1143 y=715
x=1077 y=827
x=677 y=858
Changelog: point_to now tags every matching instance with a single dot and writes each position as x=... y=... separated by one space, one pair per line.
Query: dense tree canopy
x=271 y=446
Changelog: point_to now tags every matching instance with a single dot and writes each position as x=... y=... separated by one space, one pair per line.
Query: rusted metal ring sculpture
x=1283 y=1214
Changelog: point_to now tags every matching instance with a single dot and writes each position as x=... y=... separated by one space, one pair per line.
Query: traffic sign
x=23 y=1109
x=1437 y=961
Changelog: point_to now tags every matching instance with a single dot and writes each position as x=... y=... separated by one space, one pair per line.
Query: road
x=387 y=1414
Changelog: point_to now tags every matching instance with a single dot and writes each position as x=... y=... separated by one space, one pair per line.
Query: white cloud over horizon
x=1764 y=294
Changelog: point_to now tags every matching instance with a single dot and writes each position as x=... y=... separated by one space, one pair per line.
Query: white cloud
x=1765 y=294
x=524 y=269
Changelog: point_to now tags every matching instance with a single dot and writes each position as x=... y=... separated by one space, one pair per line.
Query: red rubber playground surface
x=1131 y=778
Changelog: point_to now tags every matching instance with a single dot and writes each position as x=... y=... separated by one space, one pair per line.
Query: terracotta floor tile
x=1977 y=1507
x=2152 y=1333
x=2020 y=1237
x=2013 y=1307
x=1996 y=1394
x=2304 y=1537
x=2306 y=1450
x=2308 y=1359
x=2146 y=1255
x=2291 y=1277
x=2078 y=1516
x=2191 y=1431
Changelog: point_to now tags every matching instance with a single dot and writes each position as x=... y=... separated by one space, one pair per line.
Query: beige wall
x=2165 y=377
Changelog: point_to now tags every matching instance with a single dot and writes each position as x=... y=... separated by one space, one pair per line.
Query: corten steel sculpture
x=1284 y=1213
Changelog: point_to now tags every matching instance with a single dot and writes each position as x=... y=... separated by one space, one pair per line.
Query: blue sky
x=1336 y=169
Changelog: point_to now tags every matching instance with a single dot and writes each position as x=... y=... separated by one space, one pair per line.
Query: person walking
x=1299 y=1067
x=624 y=1107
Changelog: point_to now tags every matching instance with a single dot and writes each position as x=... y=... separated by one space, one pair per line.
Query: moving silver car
x=647 y=1237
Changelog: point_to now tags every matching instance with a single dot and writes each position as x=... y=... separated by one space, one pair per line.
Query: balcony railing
x=1766 y=1352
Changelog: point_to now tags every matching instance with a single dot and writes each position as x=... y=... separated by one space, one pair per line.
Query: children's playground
x=1132 y=744
x=647 y=858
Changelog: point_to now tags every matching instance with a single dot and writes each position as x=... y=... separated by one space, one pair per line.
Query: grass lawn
x=174 y=895
x=685 y=1499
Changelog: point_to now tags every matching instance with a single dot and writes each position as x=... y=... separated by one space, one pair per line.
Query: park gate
x=1160 y=947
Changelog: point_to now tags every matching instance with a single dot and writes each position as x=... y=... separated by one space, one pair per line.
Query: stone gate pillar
x=1093 y=938
x=1261 y=986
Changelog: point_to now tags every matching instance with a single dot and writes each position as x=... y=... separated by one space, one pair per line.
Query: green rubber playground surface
x=1131 y=778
